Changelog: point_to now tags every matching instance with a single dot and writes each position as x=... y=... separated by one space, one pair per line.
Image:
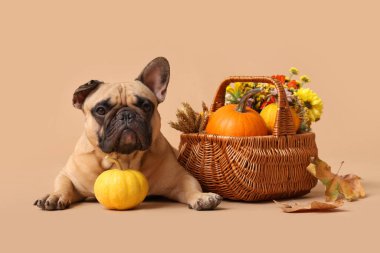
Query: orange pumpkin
x=237 y=120
x=269 y=114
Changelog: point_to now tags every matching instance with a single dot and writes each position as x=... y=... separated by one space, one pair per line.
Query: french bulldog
x=122 y=119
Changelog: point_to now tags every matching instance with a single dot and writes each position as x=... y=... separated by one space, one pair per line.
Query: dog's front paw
x=52 y=202
x=206 y=201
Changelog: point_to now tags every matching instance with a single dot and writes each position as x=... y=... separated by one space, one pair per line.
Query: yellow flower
x=312 y=103
x=293 y=71
x=249 y=84
x=235 y=91
x=305 y=79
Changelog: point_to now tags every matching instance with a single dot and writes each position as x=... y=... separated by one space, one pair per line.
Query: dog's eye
x=100 y=110
x=146 y=106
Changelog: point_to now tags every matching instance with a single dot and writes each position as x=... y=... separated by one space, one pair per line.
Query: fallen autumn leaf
x=348 y=186
x=309 y=207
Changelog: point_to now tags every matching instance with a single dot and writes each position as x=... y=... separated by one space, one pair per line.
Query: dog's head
x=123 y=117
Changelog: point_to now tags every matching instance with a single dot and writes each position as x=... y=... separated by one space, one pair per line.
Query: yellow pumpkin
x=237 y=120
x=269 y=114
x=120 y=189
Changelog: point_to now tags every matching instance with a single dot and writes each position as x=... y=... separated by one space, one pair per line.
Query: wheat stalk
x=189 y=121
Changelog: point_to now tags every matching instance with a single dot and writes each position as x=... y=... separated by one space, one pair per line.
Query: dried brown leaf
x=314 y=206
x=348 y=186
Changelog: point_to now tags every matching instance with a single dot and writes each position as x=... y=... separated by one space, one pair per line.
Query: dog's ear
x=156 y=76
x=82 y=92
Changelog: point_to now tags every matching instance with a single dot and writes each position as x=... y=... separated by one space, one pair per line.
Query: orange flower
x=280 y=78
x=268 y=102
x=293 y=84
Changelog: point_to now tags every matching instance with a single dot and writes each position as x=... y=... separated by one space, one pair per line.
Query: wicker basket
x=252 y=168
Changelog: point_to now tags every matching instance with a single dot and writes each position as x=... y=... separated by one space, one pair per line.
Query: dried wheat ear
x=189 y=121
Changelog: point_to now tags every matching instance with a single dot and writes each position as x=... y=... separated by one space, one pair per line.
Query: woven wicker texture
x=252 y=168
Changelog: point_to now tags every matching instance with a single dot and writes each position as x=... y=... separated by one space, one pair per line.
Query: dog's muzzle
x=125 y=132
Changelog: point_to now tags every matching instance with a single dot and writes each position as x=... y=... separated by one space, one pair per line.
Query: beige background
x=48 y=48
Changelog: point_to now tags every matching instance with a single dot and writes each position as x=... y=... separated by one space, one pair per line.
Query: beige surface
x=48 y=49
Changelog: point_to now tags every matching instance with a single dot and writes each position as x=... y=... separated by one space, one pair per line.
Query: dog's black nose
x=130 y=116
x=126 y=116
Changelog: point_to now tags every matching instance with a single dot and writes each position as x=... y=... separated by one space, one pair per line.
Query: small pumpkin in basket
x=237 y=119
x=269 y=114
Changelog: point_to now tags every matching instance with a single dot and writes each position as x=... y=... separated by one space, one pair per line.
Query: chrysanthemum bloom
x=312 y=103
x=293 y=71
x=235 y=90
x=305 y=79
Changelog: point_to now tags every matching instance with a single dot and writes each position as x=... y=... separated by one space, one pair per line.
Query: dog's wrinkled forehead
x=123 y=94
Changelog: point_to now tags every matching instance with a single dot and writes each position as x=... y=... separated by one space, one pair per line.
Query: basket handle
x=284 y=122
